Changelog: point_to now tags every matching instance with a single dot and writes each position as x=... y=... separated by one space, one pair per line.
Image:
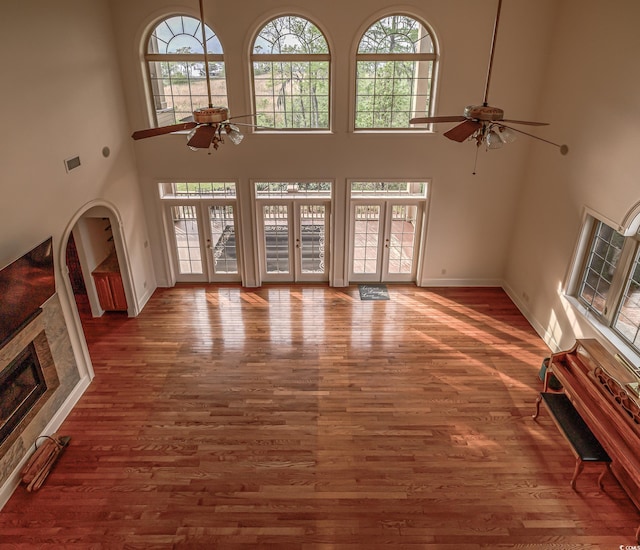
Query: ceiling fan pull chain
x=475 y=162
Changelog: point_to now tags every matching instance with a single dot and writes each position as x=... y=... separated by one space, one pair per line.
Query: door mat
x=373 y=292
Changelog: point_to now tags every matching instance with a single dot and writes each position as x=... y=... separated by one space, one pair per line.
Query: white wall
x=591 y=95
x=569 y=62
x=62 y=97
x=470 y=217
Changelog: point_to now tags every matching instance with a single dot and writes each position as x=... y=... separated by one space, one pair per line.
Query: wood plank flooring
x=300 y=417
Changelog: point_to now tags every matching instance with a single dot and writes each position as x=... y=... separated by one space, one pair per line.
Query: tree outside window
x=291 y=75
x=176 y=69
x=394 y=80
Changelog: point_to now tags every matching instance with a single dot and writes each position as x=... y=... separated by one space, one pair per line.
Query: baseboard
x=14 y=479
x=143 y=301
x=461 y=282
x=542 y=331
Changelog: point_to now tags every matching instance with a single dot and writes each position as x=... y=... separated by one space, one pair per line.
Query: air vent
x=72 y=163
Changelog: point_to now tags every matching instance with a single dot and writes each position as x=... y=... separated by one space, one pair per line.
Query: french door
x=293 y=240
x=205 y=241
x=384 y=239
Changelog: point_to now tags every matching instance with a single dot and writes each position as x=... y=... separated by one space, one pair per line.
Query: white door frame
x=201 y=207
x=384 y=234
x=294 y=250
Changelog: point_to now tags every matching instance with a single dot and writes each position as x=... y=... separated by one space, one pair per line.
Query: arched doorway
x=94 y=263
x=94 y=236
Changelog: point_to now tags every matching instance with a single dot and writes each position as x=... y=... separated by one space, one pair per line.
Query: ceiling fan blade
x=563 y=148
x=527 y=122
x=240 y=116
x=259 y=126
x=151 y=132
x=463 y=131
x=203 y=137
x=432 y=119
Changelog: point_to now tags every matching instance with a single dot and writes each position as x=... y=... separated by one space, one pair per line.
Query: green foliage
x=385 y=92
x=290 y=34
x=390 y=92
x=292 y=94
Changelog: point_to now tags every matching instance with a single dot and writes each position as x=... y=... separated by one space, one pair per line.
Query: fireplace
x=22 y=383
x=39 y=358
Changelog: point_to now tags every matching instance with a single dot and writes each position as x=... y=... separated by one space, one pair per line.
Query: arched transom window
x=395 y=67
x=291 y=65
x=177 y=78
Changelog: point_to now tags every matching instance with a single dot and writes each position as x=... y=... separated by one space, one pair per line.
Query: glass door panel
x=293 y=240
x=276 y=240
x=401 y=240
x=365 y=242
x=201 y=223
x=187 y=240
x=384 y=239
x=311 y=242
x=223 y=242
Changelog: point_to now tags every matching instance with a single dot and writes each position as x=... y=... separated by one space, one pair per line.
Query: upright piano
x=604 y=390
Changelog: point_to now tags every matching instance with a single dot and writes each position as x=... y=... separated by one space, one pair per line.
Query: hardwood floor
x=300 y=417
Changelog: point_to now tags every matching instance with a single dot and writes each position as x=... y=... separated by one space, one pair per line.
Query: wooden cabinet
x=109 y=285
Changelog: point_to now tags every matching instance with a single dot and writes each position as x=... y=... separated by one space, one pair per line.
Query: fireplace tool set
x=42 y=460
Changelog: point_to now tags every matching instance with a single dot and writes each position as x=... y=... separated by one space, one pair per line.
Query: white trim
x=248 y=60
x=413 y=13
x=422 y=202
x=632 y=220
x=542 y=331
x=74 y=324
x=427 y=282
x=605 y=332
x=588 y=211
x=574 y=276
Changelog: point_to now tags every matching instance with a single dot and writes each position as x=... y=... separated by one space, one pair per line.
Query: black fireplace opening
x=21 y=385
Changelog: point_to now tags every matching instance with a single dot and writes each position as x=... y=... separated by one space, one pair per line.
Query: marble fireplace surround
x=50 y=375
x=49 y=334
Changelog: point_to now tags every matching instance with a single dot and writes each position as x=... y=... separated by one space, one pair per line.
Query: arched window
x=177 y=78
x=395 y=65
x=291 y=65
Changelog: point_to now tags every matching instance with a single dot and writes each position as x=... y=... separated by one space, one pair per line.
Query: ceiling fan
x=485 y=123
x=209 y=125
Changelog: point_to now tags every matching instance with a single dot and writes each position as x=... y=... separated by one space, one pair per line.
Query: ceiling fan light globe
x=234 y=134
x=507 y=135
x=493 y=140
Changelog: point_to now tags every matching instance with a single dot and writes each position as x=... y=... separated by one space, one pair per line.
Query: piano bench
x=584 y=444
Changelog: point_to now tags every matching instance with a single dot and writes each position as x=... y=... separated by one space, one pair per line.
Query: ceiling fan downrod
x=493 y=48
x=206 y=56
